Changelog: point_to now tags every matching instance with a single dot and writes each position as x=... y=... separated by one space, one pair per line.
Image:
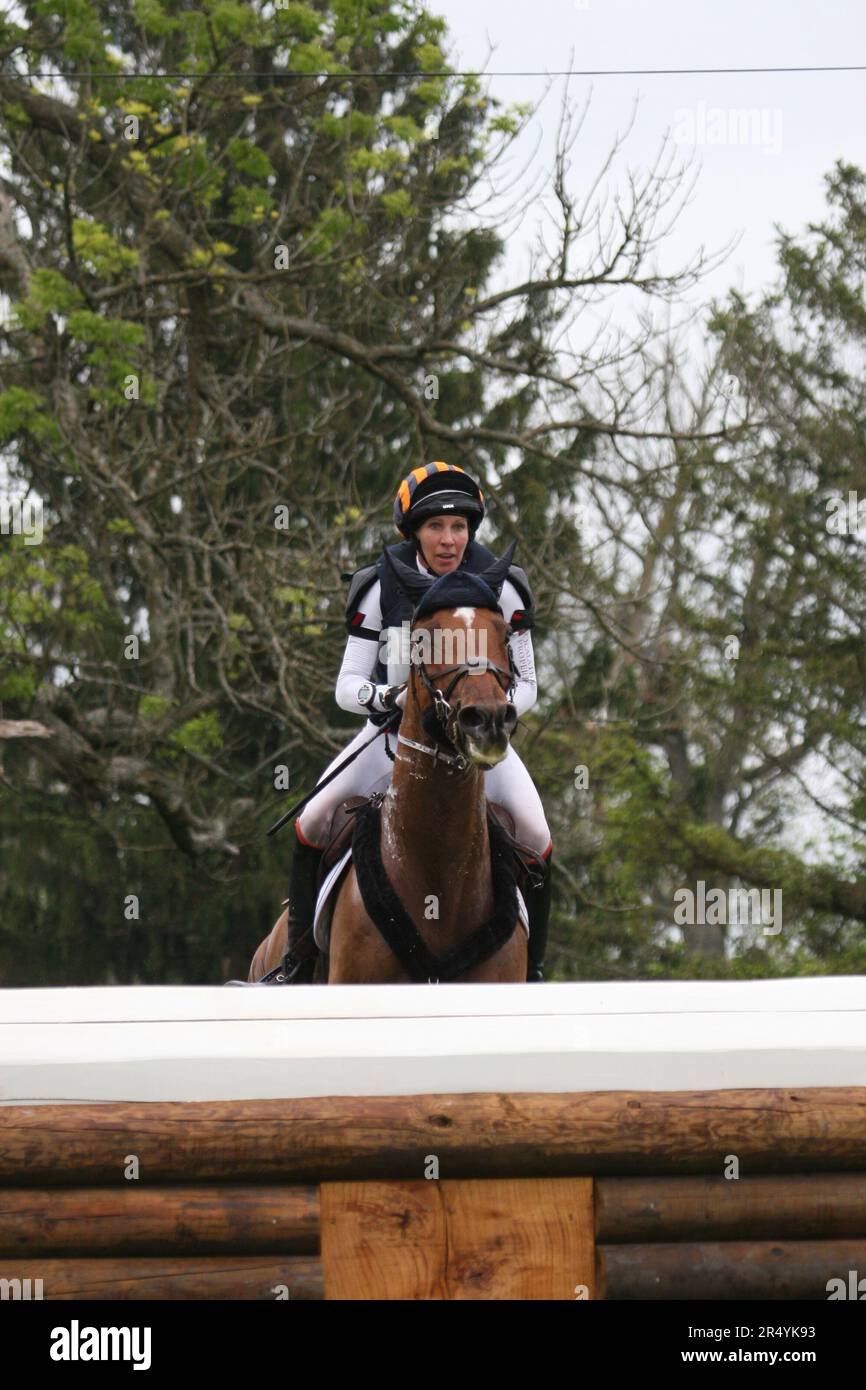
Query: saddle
x=529 y=867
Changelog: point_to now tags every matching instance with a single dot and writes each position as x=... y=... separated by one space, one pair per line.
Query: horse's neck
x=434 y=828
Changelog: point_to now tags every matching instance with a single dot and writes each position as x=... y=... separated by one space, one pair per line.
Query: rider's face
x=443 y=540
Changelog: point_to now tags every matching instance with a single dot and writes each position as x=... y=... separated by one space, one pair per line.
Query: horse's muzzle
x=485 y=731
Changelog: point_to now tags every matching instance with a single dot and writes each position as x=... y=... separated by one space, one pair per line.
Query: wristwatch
x=366 y=694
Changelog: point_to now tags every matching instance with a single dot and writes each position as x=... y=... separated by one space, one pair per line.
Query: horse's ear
x=496 y=575
x=412 y=581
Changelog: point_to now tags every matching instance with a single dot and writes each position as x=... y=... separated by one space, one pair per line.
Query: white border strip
x=229 y=1044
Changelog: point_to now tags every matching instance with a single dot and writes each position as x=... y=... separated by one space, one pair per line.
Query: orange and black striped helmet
x=434 y=489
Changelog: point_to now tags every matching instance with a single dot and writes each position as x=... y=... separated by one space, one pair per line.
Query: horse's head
x=460 y=668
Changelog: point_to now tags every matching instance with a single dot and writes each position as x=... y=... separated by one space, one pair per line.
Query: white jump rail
x=188 y=1043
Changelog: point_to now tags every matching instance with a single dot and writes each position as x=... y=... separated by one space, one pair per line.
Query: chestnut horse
x=435 y=845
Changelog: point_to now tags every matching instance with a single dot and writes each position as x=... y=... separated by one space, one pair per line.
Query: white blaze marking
x=466 y=615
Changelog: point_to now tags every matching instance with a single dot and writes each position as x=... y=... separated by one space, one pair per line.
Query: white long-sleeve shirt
x=362 y=653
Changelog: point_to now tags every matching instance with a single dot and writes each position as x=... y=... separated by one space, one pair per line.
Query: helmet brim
x=445 y=503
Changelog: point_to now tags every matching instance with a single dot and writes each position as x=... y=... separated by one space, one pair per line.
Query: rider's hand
x=387 y=696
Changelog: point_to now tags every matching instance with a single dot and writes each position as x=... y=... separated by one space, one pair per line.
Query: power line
x=445 y=72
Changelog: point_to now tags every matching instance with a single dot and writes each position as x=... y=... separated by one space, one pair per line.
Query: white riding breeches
x=508 y=783
x=370 y=772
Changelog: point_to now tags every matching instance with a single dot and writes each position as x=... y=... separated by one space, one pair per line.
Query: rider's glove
x=389 y=696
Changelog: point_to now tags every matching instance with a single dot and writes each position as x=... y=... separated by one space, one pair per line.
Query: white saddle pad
x=328 y=896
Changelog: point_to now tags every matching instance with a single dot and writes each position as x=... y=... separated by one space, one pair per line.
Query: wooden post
x=514 y=1238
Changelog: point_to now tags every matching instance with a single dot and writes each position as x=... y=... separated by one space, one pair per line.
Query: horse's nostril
x=505 y=719
x=473 y=718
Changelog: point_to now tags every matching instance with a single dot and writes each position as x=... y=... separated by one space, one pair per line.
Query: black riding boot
x=538 y=907
x=300 y=958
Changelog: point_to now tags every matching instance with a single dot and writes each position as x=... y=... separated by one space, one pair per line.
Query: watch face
x=365 y=693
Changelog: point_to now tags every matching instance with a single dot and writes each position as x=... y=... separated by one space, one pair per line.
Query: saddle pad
x=327 y=897
x=325 y=904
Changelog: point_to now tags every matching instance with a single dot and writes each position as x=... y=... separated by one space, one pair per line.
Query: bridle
x=443 y=711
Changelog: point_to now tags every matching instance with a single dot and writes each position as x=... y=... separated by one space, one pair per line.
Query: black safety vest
x=397 y=606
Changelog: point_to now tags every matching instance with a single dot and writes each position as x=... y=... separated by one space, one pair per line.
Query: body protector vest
x=397 y=606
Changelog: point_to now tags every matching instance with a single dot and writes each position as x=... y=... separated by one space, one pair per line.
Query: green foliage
x=24 y=410
x=49 y=589
x=201 y=735
x=301 y=21
x=154 y=707
x=100 y=251
x=120 y=526
x=249 y=206
x=250 y=160
x=109 y=344
x=429 y=58
x=404 y=128
x=49 y=293
x=399 y=203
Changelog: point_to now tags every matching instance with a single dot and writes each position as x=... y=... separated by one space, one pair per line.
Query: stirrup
x=295 y=970
x=299 y=963
x=273 y=977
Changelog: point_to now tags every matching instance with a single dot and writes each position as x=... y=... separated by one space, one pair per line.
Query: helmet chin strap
x=420 y=552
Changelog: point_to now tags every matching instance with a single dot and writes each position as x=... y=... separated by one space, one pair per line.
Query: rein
x=388 y=727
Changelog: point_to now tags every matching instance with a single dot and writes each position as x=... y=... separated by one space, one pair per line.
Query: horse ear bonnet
x=458 y=589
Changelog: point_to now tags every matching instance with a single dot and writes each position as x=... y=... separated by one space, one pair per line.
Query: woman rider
x=438 y=509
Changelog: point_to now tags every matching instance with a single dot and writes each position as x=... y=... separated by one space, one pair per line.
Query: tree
x=250 y=289
x=721 y=687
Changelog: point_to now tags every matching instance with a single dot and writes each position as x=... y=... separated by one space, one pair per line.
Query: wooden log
x=138 y=1220
x=496 y=1238
x=209 y=1277
x=474 y=1135
x=727 y=1269
x=799 y=1206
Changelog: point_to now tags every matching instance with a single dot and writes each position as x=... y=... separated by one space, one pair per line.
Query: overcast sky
x=804 y=123
x=806 y=120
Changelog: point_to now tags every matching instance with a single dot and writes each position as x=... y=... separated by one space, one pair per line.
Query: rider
x=438 y=509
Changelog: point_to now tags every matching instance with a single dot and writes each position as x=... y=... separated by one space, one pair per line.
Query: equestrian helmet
x=426 y=492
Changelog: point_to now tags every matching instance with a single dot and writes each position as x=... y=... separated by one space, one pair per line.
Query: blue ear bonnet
x=457 y=589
